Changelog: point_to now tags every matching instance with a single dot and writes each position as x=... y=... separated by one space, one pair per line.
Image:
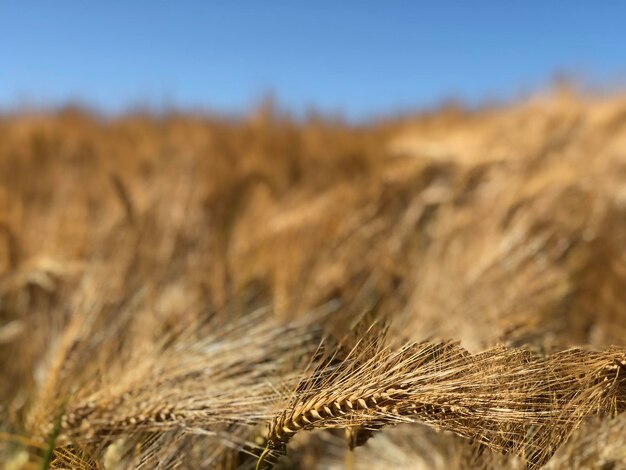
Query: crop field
x=433 y=291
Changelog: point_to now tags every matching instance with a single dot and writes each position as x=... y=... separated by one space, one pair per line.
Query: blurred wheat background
x=440 y=291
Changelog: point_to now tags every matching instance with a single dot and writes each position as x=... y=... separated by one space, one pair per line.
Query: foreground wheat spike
x=215 y=380
x=510 y=400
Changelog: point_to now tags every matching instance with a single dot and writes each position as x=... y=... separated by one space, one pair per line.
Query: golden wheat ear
x=510 y=400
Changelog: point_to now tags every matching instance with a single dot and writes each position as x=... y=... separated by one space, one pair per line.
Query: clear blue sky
x=360 y=58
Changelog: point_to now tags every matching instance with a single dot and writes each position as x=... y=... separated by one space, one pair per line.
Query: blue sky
x=358 y=58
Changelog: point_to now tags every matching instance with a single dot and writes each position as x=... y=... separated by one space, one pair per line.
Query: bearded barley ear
x=510 y=400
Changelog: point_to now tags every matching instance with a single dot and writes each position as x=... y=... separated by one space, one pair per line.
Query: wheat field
x=432 y=291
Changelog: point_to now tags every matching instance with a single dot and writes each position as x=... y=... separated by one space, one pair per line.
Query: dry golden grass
x=189 y=291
